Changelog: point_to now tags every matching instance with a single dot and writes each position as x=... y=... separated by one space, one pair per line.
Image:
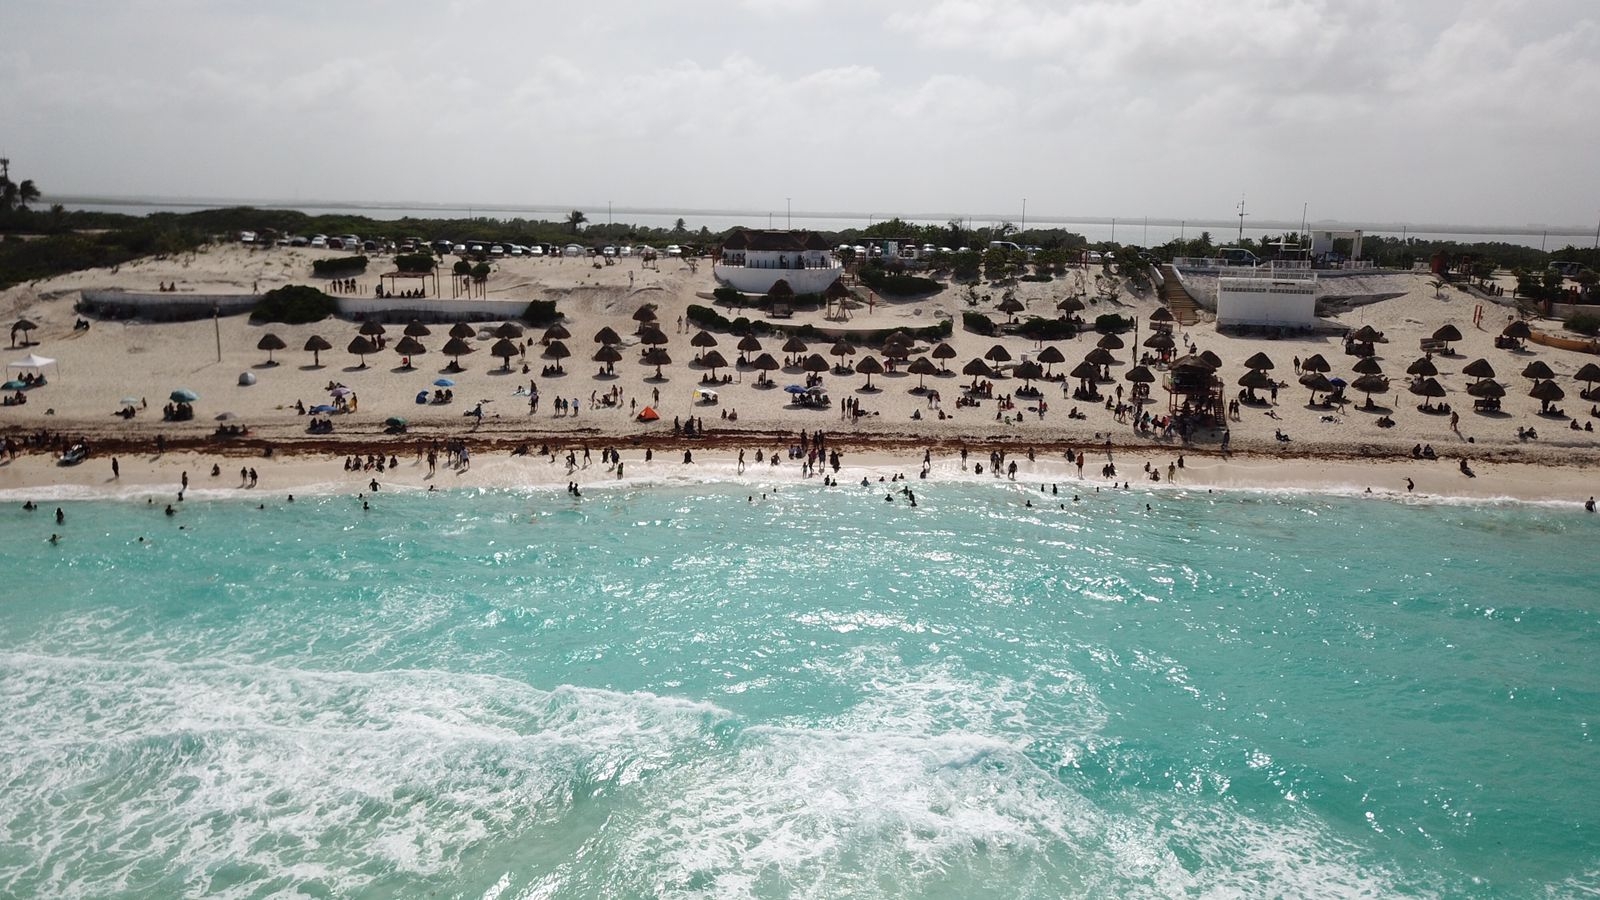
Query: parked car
x=674 y=250
x=609 y=251
x=572 y=250
x=534 y=250
x=319 y=241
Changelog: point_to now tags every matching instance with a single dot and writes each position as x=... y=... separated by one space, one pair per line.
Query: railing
x=832 y=262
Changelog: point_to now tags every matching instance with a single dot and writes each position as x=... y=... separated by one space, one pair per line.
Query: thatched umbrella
x=360 y=346
x=1087 y=373
x=1487 y=388
x=1140 y=375
x=842 y=349
x=463 y=331
x=316 y=344
x=703 y=338
x=1255 y=380
x=794 y=346
x=1101 y=357
x=765 y=363
x=921 y=367
x=1011 y=306
x=1050 y=356
x=1161 y=342
x=1447 y=335
x=556 y=332
x=1214 y=360
x=1318 y=383
x=1428 y=389
x=815 y=363
x=1193 y=361
x=1589 y=374
x=898 y=346
x=998 y=353
x=1259 y=361
x=1070 y=305
x=1367 y=365
x=24 y=326
x=1366 y=334
x=508 y=331
x=652 y=336
x=1162 y=314
x=455 y=348
x=505 y=349
x=607 y=335
x=657 y=356
x=1028 y=370
x=977 y=369
x=1537 y=370
x=608 y=354
x=869 y=366
x=371 y=329
x=1546 y=392
x=1478 y=368
x=713 y=360
x=1111 y=342
x=748 y=344
x=1423 y=367
x=944 y=351
x=1315 y=364
x=270 y=342
x=557 y=350
x=416 y=329
x=1518 y=330
x=1369 y=384
x=408 y=347
x=645 y=313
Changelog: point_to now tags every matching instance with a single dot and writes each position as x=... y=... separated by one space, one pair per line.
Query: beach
x=1333 y=446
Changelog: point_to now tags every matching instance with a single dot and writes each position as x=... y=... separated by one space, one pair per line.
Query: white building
x=1285 y=298
x=1322 y=242
x=752 y=261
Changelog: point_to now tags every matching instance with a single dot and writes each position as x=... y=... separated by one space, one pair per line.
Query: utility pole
x=608 y=213
x=788 y=215
x=1024 y=215
x=1242 y=214
x=1113 y=229
x=216 y=323
x=1597 y=236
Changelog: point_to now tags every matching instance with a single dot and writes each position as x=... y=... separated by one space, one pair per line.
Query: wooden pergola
x=390 y=279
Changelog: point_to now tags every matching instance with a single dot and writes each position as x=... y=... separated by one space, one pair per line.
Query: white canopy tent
x=33 y=361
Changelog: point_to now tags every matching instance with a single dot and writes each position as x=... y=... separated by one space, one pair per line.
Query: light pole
x=608 y=213
x=1024 y=215
x=788 y=215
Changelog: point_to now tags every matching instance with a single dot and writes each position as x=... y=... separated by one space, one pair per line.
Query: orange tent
x=648 y=414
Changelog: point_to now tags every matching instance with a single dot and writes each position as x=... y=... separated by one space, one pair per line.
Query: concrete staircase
x=1177 y=299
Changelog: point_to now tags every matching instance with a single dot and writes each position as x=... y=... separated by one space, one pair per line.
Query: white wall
x=759 y=281
x=1267 y=304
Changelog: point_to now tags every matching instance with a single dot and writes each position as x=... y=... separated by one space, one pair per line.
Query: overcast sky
x=1455 y=111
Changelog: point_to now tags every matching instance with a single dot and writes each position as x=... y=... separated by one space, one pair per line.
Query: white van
x=1004 y=245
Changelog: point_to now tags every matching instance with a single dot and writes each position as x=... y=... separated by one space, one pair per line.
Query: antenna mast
x=1242 y=214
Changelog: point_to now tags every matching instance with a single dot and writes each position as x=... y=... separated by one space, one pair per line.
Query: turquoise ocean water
x=671 y=691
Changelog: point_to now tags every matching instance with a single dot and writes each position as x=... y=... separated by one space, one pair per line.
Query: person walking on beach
x=116 y=470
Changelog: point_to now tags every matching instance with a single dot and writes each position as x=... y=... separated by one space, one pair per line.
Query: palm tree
x=1438 y=285
x=575 y=219
x=679 y=227
x=27 y=193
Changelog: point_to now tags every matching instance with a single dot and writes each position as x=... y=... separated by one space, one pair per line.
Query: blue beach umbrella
x=321 y=409
x=13 y=385
x=184 y=395
x=443 y=382
x=794 y=389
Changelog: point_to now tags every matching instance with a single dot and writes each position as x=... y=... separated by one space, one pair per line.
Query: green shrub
x=541 y=312
x=339 y=266
x=462 y=267
x=1041 y=329
x=415 y=263
x=892 y=285
x=294 y=304
x=1111 y=323
x=977 y=322
x=1584 y=323
x=1040 y=276
x=730 y=296
x=480 y=272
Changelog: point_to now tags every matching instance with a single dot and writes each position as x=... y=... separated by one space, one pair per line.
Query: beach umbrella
x=794 y=345
x=748 y=344
x=1011 y=306
x=1315 y=364
x=607 y=335
x=998 y=354
x=1447 y=335
x=607 y=354
x=842 y=349
x=416 y=329
x=765 y=363
x=793 y=389
x=1085 y=372
x=506 y=349
x=371 y=329
x=556 y=332
x=1070 y=305
x=1518 y=330
x=508 y=331
x=1367 y=365
x=360 y=346
x=316 y=344
x=1111 y=342
x=1192 y=361
x=922 y=367
x=1256 y=380
x=1160 y=341
x=1370 y=384
x=463 y=331
x=443 y=382
x=1050 y=356
x=408 y=347
x=652 y=336
x=702 y=339
x=1488 y=388
x=1211 y=359
x=1538 y=369
x=1100 y=356
x=1423 y=367
x=1546 y=392
x=1028 y=370
x=1318 y=384
x=815 y=363
x=557 y=351
x=1589 y=374
x=898 y=349
x=1259 y=361
x=270 y=342
x=1140 y=375
x=183 y=395
x=1428 y=389
x=869 y=366
x=658 y=357
x=24 y=326
x=1162 y=314
x=645 y=313
x=713 y=360
x=944 y=351
x=977 y=369
x=1478 y=368
x=1366 y=334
